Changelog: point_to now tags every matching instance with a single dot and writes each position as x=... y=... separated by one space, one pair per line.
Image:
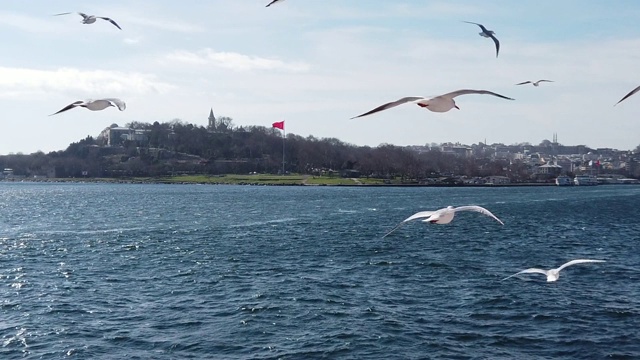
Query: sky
x=317 y=63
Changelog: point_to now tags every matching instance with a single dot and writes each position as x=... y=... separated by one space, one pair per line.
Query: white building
x=115 y=135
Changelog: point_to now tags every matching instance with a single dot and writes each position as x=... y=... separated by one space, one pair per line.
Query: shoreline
x=161 y=181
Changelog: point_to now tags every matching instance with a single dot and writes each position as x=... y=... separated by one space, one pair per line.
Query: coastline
x=269 y=182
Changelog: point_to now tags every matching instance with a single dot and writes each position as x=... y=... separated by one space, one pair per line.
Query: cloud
x=132 y=41
x=234 y=61
x=23 y=81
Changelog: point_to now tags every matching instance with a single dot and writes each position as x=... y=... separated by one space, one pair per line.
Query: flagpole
x=280 y=125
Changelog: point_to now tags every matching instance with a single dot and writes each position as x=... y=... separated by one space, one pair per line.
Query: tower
x=212 y=121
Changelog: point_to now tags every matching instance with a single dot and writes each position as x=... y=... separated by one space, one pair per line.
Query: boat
x=564 y=180
x=585 y=180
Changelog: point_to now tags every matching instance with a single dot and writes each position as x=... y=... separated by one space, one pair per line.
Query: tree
x=137 y=125
x=224 y=124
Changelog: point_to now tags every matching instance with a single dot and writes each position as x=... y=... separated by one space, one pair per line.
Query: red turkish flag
x=279 y=125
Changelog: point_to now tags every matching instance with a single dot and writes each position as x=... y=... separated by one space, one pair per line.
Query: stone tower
x=212 y=121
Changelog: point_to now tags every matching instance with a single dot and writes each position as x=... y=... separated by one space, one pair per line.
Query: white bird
x=629 y=94
x=90 y=19
x=442 y=103
x=554 y=274
x=443 y=216
x=534 y=83
x=273 y=2
x=95 y=105
x=487 y=34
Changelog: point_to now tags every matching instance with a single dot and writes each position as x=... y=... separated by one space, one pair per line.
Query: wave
x=265 y=222
x=87 y=232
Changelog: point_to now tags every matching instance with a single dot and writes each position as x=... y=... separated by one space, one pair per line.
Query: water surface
x=253 y=272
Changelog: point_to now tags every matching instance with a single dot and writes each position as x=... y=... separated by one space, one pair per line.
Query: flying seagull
x=95 y=105
x=554 y=274
x=534 y=83
x=629 y=94
x=442 y=103
x=273 y=2
x=443 y=216
x=90 y=19
x=488 y=34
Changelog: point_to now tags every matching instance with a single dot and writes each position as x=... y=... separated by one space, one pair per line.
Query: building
x=548 y=169
x=6 y=173
x=212 y=121
x=116 y=135
x=457 y=150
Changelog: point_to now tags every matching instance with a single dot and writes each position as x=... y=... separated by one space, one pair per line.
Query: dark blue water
x=94 y=271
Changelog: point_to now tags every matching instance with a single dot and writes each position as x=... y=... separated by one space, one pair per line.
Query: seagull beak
x=456 y=106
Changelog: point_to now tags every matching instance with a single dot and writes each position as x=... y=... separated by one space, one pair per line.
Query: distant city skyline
x=317 y=63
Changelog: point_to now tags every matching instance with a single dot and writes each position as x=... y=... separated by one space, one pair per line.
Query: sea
x=154 y=271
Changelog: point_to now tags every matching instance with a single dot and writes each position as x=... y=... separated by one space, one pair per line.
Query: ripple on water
x=170 y=272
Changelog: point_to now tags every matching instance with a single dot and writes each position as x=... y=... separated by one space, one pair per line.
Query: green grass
x=262 y=179
x=258 y=179
x=326 y=180
x=236 y=179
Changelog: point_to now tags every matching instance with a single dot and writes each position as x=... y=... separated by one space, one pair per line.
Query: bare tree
x=224 y=124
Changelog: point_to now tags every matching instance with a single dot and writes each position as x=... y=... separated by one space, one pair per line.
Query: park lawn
x=262 y=179
x=326 y=180
x=259 y=179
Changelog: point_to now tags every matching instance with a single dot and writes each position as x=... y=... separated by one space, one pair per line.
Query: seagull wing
x=117 y=102
x=629 y=94
x=84 y=16
x=484 y=29
x=111 y=21
x=528 y=271
x=271 y=3
x=453 y=94
x=67 y=13
x=70 y=106
x=579 y=261
x=539 y=81
x=418 y=215
x=495 y=40
x=524 y=82
x=390 y=105
x=479 y=209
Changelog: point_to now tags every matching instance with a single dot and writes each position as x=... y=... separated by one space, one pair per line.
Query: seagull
x=629 y=94
x=90 y=19
x=442 y=103
x=273 y=2
x=95 y=105
x=488 y=34
x=443 y=216
x=534 y=83
x=554 y=274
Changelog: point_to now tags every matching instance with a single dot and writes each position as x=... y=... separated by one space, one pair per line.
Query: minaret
x=212 y=121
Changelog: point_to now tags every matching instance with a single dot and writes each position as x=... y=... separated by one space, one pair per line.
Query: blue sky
x=317 y=63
